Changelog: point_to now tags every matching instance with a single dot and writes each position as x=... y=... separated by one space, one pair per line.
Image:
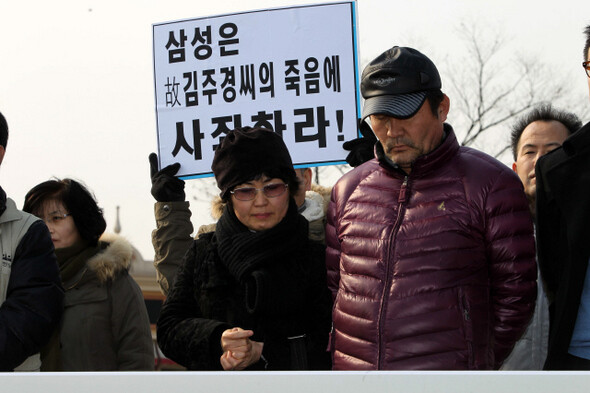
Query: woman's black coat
x=273 y=283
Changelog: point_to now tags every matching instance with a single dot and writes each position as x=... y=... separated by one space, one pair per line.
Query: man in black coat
x=31 y=295
x=563 y=242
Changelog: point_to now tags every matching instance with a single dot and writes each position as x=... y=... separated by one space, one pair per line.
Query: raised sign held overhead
x=293 y=70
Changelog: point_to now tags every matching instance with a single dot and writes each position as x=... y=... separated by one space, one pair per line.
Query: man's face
x=405 y=140
x=588 y=59
x=537 y=139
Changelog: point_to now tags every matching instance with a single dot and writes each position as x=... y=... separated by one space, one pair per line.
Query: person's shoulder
x=30 y=231
x=357 y=174
x=366 y=167
x=11 y=213
x=580 y=138
x=204 y=229
x=576 y=146
x=115 y=257
x=481 y=171
x=552 y=159
x=204 y=239
x=37 y=231
x=202 y=245
x=478 y=157
x=367 y=176
x=479 y=163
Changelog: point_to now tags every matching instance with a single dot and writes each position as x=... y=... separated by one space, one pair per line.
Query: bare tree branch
x=491 y=84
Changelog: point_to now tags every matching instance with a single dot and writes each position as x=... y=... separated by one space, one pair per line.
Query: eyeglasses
x=55 y=218
x=270 y=191
x=586 y=66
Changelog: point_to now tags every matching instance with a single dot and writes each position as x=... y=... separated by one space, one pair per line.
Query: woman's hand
x=239 y=351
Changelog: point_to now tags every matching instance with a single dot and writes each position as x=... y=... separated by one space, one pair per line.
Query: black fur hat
x=246 y=153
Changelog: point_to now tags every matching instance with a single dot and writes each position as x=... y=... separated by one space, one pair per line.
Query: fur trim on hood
x=314 y=206
x=111 y=261
x=217 y=206
x=325 y=192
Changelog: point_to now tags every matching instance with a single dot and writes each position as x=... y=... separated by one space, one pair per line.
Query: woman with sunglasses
x=253 y=294
x=105 y=325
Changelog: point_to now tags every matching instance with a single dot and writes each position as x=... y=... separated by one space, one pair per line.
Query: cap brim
x=400 y=106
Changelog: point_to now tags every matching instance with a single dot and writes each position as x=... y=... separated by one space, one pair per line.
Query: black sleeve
x=320 y=312
x=295 y=297
x=34 y=298
x=549 y=234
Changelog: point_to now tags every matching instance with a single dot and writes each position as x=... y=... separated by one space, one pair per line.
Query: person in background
x=172 y=237
x=533 y=135
x=253 y=294
x=430 y=249
x=105 y=325
x=563 y=243
x=31 y=296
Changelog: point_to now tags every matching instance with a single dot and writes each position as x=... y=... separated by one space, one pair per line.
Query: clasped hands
x=239 y=351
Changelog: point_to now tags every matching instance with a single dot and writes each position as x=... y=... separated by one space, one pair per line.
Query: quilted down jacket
x=432 y=270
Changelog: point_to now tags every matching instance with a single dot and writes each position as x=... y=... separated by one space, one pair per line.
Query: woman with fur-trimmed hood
x=105 y=325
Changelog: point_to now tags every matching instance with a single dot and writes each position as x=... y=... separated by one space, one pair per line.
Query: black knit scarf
x=243 y=251
x=73 y=259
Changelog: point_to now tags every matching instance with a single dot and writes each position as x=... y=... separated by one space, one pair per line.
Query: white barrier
x=300 y=382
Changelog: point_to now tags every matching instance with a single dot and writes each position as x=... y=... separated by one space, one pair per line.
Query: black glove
x=361 y=149
x=165 y=186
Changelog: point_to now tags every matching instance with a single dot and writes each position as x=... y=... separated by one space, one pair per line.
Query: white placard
x=293 y=70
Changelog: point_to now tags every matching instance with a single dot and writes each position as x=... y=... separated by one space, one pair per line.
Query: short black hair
x=587 y=45
x=76 y=198
x=3 y=131
x=543 y=112
x=434 y=98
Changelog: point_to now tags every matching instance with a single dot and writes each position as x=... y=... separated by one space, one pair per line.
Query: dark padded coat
x=34 y=299
x=563 y=236
x=434 y=270
x=291 y=300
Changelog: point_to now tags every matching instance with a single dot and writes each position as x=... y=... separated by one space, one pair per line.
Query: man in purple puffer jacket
x=431 y=256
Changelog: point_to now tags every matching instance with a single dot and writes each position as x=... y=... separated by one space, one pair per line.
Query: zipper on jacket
x=468 y=328
x=466 y=313
x=401 y=199
x=331 y=341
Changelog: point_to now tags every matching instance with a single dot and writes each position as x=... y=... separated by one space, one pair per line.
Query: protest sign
x=293 y=70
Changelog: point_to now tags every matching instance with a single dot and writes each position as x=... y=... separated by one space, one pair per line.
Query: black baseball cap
x=395 y=83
